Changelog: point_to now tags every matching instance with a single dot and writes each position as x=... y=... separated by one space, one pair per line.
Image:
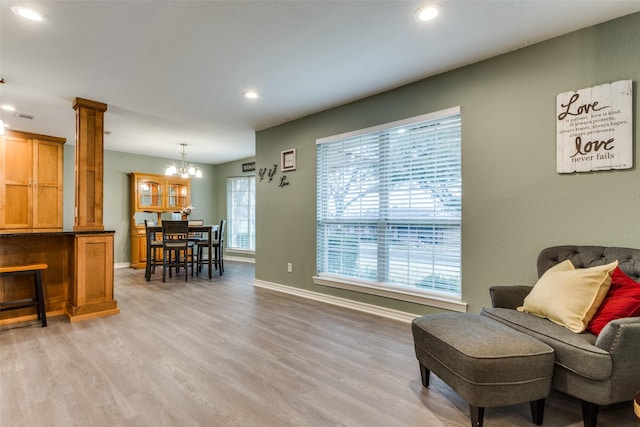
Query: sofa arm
x=508 y=296
x=620 y=335
x=621 y=338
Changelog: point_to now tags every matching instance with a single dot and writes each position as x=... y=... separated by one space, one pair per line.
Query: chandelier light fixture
x=184 y=170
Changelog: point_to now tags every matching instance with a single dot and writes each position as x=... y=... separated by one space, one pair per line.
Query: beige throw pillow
x=568 y=296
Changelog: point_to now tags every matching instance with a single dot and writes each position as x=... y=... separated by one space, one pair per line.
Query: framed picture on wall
x=288 y=160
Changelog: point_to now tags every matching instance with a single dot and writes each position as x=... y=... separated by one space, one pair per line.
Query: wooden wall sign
x=594 y=128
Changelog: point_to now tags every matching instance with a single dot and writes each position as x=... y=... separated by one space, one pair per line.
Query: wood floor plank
x=220 y=352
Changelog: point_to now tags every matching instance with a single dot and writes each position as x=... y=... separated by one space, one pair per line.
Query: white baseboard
x=341 y=302
x=121 y=265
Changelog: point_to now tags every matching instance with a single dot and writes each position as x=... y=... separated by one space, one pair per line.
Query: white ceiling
x=175 y=71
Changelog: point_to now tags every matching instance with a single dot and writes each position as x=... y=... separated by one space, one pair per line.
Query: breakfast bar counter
x=78 y=281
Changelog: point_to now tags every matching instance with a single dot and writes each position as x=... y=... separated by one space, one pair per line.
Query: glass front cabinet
x=149 y=194
x=152 y=196
x=178 y=193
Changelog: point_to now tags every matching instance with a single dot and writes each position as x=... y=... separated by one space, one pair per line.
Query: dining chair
x=217 y=252
x=154 y=246
x=177 y=248
x=197 y=235
x=218 y=247
x=201 y=258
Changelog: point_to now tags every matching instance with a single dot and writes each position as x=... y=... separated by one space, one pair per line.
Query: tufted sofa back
x=590 y=256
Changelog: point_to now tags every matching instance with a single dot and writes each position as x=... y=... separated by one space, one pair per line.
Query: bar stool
x=22 y=270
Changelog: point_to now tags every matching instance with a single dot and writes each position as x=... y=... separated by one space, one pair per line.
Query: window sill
x=416 y=296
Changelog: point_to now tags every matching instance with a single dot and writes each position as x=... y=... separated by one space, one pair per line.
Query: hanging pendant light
x=184 y=170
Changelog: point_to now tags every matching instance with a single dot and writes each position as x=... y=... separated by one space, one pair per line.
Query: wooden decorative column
x=89 y=164
x=91 y=293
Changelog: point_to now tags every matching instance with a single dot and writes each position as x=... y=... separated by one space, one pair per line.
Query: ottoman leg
x=477 y=415
x=537 y=411
x=424 y=374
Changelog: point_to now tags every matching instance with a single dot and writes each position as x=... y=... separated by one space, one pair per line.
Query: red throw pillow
x=622 y=300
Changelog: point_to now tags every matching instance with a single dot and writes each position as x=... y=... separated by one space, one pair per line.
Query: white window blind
x=389 y=204
x=241 y=213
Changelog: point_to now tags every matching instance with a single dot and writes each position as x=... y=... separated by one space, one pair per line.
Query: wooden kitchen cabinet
x=31 y=169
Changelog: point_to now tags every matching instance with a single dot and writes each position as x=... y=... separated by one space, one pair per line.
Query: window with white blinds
x=241 y=213
x=389 y=205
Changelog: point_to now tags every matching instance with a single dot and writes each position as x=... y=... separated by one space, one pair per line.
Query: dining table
x=211 y=232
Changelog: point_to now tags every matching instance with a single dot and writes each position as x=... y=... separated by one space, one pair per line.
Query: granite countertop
x=51 y=232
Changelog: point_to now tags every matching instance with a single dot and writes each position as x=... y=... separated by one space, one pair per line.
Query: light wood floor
x=222 y=353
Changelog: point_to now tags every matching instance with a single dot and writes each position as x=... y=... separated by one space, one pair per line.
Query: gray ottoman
x=484 y=361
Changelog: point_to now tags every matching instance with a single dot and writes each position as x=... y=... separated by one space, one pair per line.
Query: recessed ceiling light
x=428 y=12
x=8 y=107
x=250 y=94
x=27 y=13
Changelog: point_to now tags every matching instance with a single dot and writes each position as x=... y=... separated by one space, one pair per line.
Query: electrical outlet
x=290 y=268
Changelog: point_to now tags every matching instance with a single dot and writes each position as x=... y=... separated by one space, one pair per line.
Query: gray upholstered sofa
x=598 y=370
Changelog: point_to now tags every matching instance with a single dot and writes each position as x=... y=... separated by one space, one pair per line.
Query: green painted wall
x=209 y=193
x=117 y=166
x=514 y=203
